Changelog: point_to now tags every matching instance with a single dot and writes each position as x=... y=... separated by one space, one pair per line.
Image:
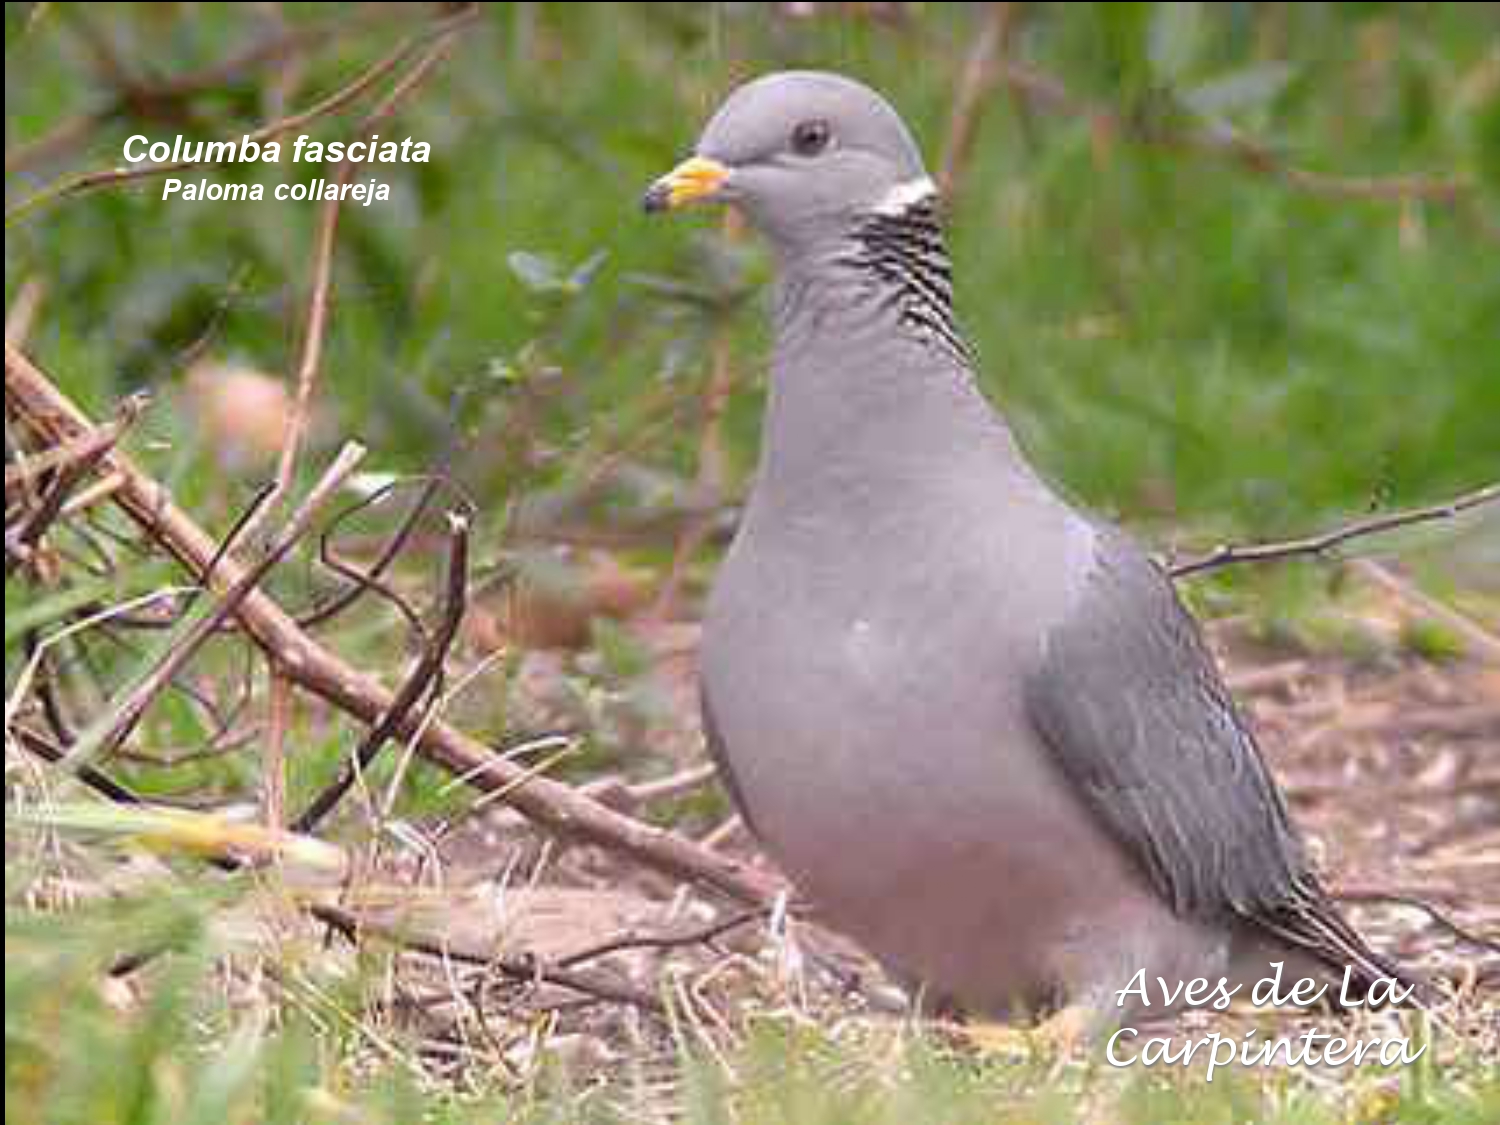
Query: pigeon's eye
x=810 y=138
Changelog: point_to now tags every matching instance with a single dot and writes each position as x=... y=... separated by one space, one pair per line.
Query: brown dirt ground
x=1391 y=764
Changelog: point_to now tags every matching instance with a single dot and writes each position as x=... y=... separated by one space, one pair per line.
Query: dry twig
x=68 y=465
x=1320 y=545
x=524 y=970
x=702 y=935
x=111 y=729
x=977 y=78
x=551 y=805
x=1476 y=637
x=96 y=779
x=273 y=762
x=371 y=578
x=424 y=678
x=1049 y=92
x=315 y=320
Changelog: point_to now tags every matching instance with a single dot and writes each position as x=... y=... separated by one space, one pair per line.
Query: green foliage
x=1179 y=332
x=188 y=1040
x=1169 y=329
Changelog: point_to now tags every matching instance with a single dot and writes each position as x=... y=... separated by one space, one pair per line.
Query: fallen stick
x=549 y=804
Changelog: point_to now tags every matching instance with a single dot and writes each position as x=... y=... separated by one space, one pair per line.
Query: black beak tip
x=658 y=198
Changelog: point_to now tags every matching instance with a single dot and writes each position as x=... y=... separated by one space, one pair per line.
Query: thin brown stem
x=315 y=317
x=1321 y=545
x=422 y=680
x=701 y=935
x=273 y=761
x=975 y=82
x=524 y=970
x=96 y=779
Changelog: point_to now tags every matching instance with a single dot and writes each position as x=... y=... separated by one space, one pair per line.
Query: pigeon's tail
x=1314 y=924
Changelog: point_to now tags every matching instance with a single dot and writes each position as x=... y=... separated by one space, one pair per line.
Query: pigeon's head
x=804 y=154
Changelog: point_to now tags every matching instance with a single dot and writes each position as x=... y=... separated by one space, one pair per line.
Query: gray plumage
x=976 y=726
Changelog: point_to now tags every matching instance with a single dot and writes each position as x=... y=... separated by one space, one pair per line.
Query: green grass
x=186 y=1041
x=1180 y=339
x=1171 y=332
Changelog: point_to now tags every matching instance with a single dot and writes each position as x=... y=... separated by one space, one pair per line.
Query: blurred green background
x=1188 y=252
x=1177 y=335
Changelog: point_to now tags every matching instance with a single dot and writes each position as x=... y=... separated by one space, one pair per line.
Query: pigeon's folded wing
x=1131 y=704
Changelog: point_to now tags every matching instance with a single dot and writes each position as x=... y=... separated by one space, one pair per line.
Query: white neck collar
x=902 y=196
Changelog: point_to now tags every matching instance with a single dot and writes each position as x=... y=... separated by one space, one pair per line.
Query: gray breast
x=863 y=685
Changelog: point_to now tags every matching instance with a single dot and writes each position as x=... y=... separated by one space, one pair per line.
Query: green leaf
x=1486 y=138
x=538 y=272
x=1175 y=40
x=226 y=1080
x=64 y=603
x=1246 y=88
x=584 y=272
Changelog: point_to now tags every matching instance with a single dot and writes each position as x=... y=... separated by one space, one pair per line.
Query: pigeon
x=974 y=724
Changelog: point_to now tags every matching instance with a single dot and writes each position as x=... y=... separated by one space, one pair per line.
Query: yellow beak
x=695 y=178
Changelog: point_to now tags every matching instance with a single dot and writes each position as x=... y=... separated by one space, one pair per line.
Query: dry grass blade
x=187 y=832
x=977 y=79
